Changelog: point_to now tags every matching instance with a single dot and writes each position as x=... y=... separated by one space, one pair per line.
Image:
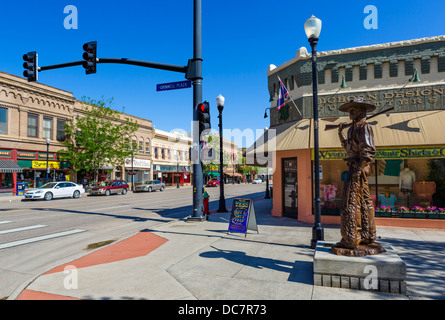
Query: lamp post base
x=317 y=235
x=196 y=219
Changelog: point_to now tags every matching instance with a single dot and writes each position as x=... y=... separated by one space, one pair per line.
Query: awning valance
x=9 y=166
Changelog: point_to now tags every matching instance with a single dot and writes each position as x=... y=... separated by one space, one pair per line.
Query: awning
x=211 y=174
x=9 y=166
x=233 y=174
x=398 y=129
x=418 y=128
x=287 y=136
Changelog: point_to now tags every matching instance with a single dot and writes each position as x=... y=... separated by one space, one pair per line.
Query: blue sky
x=240 y=40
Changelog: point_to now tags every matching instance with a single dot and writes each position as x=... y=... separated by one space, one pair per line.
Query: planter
x=330 y=211
x=406 y=214
x=436 y=216
x=420 y=215
x=383 y=214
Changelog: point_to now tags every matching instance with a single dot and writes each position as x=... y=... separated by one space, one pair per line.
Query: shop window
x=32 y=125
x=3 y=120
x=47 y=127
x=60 y=130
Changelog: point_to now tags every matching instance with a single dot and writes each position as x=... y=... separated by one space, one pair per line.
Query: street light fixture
x=222 y=201
x=312 y=28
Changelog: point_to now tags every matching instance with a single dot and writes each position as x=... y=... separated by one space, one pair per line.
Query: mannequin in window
x=388 y=200
x=406 y=180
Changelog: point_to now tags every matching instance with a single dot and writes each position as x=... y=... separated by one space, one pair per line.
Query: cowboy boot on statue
x=357 y=226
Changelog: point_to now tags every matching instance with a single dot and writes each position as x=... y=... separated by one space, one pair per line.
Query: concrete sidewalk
x=199 y=260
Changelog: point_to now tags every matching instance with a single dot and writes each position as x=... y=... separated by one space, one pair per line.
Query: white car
x=256 y=181
x=50 y=190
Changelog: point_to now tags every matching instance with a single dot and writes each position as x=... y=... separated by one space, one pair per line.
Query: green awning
x=211 y=174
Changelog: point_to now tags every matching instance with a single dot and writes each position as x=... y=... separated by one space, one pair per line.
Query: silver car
x=150 y=186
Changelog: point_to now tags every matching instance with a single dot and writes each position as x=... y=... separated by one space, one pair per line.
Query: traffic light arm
x=147 y=64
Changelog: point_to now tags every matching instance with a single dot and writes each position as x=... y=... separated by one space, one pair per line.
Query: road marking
x=3 y=222
x=23 y=228
x=35 y=239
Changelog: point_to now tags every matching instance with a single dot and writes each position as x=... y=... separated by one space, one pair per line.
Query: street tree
x=100 y=137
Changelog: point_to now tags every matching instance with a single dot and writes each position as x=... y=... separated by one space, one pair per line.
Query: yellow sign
x=42 y=164
x=389 y=153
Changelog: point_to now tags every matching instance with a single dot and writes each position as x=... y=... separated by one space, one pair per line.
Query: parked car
x=257 y=181
x=50 y=190
x=212 y=183
x=150 y=186
x=108 y=187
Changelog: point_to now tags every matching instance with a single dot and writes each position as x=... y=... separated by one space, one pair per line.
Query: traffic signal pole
x=193 y=72
x=197 y=99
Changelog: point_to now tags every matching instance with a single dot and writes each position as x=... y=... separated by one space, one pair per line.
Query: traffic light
x=204 y=116
x=30 y=65
x=89 y=56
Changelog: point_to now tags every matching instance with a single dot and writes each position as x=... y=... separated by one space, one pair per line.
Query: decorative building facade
x=406 y=137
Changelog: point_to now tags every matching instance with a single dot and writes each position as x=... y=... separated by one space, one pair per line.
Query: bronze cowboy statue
x=357 y=225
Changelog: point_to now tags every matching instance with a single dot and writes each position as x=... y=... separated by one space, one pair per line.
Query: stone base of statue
x=360 y=251
x=385 y=272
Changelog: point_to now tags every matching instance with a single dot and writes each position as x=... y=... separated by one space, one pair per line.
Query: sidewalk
x=199 y=261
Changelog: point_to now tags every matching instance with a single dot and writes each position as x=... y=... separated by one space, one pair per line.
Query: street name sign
x=174 y=85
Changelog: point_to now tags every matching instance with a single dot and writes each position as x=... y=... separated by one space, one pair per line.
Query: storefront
x=8 y=176
x=401 y=176
x=170 y=174
x=36 y=170
x=138 y=171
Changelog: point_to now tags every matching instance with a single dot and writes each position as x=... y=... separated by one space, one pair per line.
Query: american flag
x=282 y=95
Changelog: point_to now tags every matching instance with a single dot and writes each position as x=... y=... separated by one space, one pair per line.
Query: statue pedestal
x=384 y=272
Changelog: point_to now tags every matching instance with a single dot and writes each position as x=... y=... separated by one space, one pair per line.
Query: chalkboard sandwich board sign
x=242 y=217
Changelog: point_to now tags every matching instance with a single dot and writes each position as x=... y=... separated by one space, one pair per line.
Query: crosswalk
x=30 y=240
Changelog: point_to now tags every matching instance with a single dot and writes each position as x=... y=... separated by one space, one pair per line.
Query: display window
x=406 y=188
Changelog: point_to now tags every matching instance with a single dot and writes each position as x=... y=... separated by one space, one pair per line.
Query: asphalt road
x=38 y=235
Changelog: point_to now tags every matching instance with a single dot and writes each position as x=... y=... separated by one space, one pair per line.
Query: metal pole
x=317 y=229
x=132 y=170
x=47 y=160
x=222 y=200
x=197 y=98
x=177 y=170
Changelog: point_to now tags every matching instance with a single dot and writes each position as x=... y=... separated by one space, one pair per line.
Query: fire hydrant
x=206 y=202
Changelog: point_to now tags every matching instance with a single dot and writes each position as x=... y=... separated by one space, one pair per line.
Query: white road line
x=40 y=238
x=3 y=222
x=22 y=228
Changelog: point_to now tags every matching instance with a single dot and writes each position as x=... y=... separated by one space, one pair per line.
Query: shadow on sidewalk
x=299 y=271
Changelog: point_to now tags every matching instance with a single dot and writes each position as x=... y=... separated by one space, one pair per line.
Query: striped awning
x=9 y=166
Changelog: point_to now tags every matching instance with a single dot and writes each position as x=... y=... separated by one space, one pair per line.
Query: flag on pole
x=282 y=95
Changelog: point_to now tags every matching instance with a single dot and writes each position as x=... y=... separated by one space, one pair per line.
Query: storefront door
x=290 y=190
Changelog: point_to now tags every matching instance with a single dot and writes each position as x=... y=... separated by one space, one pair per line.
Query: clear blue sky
x=240 y=40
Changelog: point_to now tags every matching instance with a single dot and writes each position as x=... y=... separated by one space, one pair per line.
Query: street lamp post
x=132 y=169
x=48 y=141
x=222 y=201
x=312 y=28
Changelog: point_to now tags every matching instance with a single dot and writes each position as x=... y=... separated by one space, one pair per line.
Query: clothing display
x=406 y=180
x=392 y=167
x=424 y=190
x=329 y=191
x=388 y=201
